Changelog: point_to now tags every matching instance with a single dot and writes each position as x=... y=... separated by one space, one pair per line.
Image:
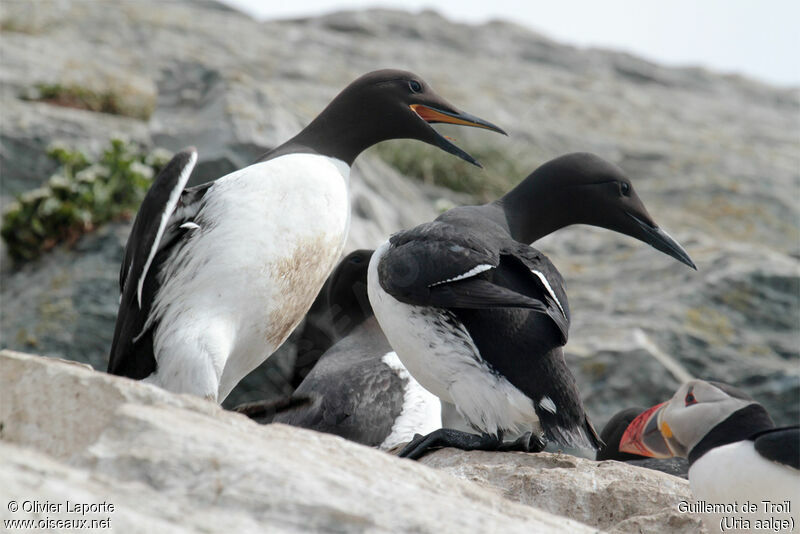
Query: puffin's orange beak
x=645 y=437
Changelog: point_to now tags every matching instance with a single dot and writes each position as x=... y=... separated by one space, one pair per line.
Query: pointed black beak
x=434 y=115
x=661 y=240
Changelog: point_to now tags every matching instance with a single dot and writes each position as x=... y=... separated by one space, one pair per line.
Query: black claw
x=528 y=442
x=447 y=437
x=537 y=443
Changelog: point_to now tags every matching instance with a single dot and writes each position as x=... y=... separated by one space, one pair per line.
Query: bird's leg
x=448 y=437
x=528 y=442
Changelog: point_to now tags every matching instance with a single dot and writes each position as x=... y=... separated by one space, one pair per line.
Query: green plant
x=80 y=196
x=501 y=170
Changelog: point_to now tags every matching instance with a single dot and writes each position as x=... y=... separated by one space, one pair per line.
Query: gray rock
x=612 y=496
x=173 y=463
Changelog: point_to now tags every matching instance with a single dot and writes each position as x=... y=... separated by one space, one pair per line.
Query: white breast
x=421 y=413
x=443 y=358
x=736 y=473
x=269 y=236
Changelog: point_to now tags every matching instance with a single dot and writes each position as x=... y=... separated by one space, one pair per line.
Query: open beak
x=433 y=115
x=644 y=435
x=661 y=240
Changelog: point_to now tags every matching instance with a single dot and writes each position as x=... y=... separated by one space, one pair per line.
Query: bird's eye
x=415 y=86
x=355 y=259
x=689 y=400
x=625 y=187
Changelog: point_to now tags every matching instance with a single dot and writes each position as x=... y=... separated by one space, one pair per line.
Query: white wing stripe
x=168 y=209
x=472 y=272
x=549 y=290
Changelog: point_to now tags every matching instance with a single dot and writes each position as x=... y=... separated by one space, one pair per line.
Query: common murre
x=216 y=277
x=479 y=317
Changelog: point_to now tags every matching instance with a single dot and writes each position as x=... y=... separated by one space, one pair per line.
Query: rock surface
x=175 y=463
x=714 y=157
x=612 y=496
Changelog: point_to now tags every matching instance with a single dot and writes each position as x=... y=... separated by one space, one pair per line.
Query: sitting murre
x=479 y=317
x=358 y=389
x=217 y=276
x=736 y=455
x=611 y=436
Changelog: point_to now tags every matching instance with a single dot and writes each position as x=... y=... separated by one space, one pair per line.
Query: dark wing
x=512 y=301
x=151 y=221
x=429 y=256
x=356 y=395
x=454 y=271
x=781 y=445
x=154 y=230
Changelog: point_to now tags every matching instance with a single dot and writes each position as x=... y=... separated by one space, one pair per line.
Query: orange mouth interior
x=431 y=115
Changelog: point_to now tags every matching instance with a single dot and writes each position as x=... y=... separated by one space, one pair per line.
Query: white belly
x=269 y=236
x=421 y=412
x=736 y=473
x=446 y=362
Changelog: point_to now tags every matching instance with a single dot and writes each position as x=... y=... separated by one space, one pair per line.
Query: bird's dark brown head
x=582 y=188
x=382 y=105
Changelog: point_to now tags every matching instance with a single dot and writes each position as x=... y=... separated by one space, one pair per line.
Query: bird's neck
x=532 y=210
x=338 y=132
x=739 y=426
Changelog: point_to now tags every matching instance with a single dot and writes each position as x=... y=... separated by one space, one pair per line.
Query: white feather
x=549 y=290
x=547 y=404
x=172 y=201
x=421 y=413
x=472 y=272
x=190 y=226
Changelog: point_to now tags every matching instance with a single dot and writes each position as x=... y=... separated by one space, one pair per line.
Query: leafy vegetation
x=80 y=196
x=501 y=170
x=76 y=96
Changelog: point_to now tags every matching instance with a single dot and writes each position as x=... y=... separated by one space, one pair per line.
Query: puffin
x=743 y=470
x=358 y=389
x=479 y=317
x=611 y=436
x=215 y=277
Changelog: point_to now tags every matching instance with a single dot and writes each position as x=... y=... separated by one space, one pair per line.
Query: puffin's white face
x=696 y=408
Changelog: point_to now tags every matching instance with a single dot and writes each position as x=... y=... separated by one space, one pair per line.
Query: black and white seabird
x=735 y=453
x=479 y=317
x=216 y=277
x=359 y=390
x=611 y=435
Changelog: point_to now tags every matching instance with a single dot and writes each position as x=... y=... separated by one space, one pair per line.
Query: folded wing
x=154 y=228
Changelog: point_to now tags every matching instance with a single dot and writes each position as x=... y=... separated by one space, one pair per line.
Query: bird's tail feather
x=581 y=436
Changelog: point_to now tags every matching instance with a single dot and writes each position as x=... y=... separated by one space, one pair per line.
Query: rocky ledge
x=151 y=461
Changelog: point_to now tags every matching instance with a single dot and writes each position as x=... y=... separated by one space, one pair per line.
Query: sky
x=758 y=38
